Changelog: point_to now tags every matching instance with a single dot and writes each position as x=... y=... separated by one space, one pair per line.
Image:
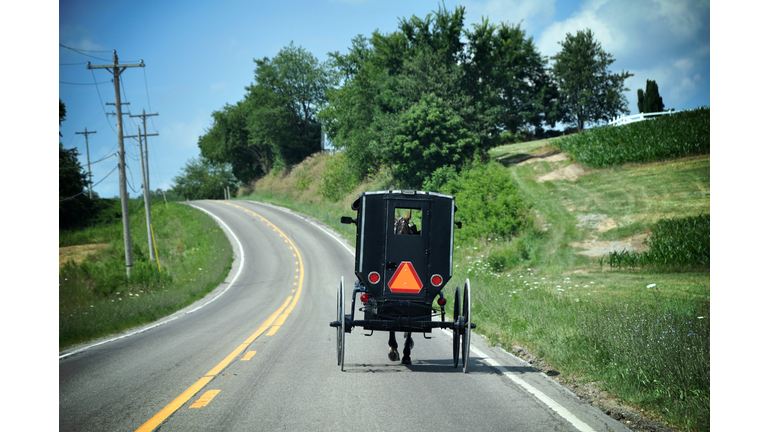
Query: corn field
x=668 y=137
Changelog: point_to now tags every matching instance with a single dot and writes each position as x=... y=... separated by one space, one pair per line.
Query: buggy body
x=403 y=261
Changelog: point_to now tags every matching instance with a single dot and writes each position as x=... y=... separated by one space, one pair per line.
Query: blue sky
x=199 y=56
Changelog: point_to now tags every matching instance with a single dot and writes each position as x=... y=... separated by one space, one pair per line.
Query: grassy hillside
x=544 y=288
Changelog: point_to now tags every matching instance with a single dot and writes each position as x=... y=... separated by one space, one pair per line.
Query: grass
x=97 y=299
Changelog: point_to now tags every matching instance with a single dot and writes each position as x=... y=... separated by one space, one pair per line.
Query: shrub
x=489 y=202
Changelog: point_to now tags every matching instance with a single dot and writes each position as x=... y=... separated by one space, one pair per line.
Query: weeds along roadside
x=97 y=299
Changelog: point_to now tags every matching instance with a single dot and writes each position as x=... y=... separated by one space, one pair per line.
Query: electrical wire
x=64 y=82
x=81 y=52
x=73 y=196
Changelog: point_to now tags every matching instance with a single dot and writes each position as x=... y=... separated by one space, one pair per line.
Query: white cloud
x=215 y=87
x=532 y=13
x=687 y=87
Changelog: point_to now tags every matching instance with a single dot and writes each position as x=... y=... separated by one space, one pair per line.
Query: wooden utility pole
x=145 y=179
x=116 y=69
x=88 y=156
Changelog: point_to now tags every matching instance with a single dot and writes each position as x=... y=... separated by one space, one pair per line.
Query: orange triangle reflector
x=405 y=279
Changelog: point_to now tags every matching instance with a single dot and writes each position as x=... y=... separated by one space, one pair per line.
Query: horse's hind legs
x=407 y=349
x=393 y=354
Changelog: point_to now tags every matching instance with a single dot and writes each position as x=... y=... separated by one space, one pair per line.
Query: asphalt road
x=258 y=354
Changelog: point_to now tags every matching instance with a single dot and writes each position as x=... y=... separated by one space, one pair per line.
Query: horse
x=403 y=227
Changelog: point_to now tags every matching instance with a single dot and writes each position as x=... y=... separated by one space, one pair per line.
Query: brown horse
x=402 y=226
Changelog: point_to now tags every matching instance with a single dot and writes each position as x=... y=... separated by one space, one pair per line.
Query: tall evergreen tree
x=651 y=101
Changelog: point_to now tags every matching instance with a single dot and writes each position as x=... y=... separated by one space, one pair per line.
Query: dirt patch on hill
x=595 y=248
x=571 y=172
x=79 y=253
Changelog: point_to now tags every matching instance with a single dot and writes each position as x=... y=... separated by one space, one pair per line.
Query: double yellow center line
x=274 y=321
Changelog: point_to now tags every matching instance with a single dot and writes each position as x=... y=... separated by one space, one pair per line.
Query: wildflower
x=651 y=286
x=699 y=317
x=577 y=300
x=560 y=289
x=91 y=305
x=120 y=298
x=200 y=269
x=557 y=286
x=529 y=269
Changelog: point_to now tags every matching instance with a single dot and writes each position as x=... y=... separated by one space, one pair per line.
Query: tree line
x=432 y=95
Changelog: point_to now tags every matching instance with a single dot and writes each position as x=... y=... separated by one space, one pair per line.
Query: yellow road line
x=205 y=399
x=276 y=318
x=249 y=355
x=173 y=406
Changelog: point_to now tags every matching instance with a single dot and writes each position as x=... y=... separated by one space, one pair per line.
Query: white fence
x=638 y=117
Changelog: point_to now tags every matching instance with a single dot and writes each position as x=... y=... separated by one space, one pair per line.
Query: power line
x=81 y=52
x=64 y=82
x=105 y=177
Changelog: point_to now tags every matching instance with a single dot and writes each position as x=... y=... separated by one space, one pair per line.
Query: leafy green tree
x=227 y=141
x=651 y=101
x=300 y=83
x=74 y=205
x=509 y=75
x=588 y=91
x=429 y=135
x=204 y=179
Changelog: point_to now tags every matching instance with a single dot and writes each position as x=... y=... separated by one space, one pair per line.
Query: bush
x=339 y=179
x=489 y=202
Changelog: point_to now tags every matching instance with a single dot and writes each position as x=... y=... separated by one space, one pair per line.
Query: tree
x=428 y=136
x=300 y=83
x=75 y=207
x=588 y=91
x=651 y=101
x=204 y=179
x=507 y=73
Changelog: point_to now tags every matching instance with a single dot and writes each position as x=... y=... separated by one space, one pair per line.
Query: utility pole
x=145 y=181
x=145 y=178
x=116 y=69
x=88 y=156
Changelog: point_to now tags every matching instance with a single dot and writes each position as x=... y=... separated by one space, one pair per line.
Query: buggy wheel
x=456 y=314
x=340 y=329
x=467 y=327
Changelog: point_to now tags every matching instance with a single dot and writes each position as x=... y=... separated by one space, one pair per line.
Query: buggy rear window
x=407 y=221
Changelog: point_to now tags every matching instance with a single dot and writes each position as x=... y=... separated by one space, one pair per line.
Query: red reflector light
x=436 y=280
x=441 y=301
x=373 y=277
x=364 y=297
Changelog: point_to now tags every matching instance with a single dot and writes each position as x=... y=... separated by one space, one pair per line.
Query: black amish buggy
x=403 y=260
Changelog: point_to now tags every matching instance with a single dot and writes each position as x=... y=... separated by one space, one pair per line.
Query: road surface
x=258 y=354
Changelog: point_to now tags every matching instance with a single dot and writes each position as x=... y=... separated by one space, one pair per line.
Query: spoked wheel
x=340 y=329
x=467 y=327
x=456 y=314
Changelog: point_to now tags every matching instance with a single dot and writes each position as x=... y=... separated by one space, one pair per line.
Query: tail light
x=436 y=280
x=374 y=277
x=364 y=297
x=441 y=301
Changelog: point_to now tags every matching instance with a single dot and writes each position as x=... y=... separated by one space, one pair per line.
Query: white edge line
x=559 y=409
x=232 y=282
